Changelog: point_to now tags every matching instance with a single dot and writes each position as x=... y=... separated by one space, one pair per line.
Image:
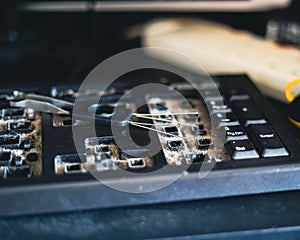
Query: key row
x=248 y=136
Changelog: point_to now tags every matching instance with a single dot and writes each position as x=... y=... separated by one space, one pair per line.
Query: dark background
x=42 y=49
x=50 y=48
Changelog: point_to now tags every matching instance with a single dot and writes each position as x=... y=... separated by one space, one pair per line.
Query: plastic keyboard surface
x=42 y=171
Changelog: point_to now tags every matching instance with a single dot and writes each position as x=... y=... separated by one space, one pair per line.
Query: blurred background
x=46 y=48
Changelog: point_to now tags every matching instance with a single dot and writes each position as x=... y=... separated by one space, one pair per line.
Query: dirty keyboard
x=247 y=146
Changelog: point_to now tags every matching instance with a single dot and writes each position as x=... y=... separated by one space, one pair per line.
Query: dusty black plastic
x=52 y=193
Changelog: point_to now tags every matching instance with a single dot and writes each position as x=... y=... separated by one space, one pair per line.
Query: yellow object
x=297 y=124
x=290 y=97
x=288 y=90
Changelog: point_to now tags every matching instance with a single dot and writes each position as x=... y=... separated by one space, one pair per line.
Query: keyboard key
x=73 y=168
x=248 y=113
x=32 y=157
x=18 y=171
x=237 y=94
x=23 y=126
x=242 y=149
x=218 y=107
x=212 y=95
x=235 y=133
x=204 y=143
x=226 y=119
x=172 y=131
x=5 y=157
x=198 y=129
x=202 y=133
x=165 y=118
x=25 y=143
x=135 y=163
x=161 y=106
x=69 y=158
x=9 y=139
x=175 y=145
x=239 y=97
x=13 y=113
x=269 y=145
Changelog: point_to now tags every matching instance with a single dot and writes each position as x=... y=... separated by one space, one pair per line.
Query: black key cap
x=161 y=106
x=18 y=171
x=9 y=139
x=239 y=97
x=204 y=143
x=103 y=148
x=202 y=132
x=268 y=143
x=16 y=160
x=248 y=113
x=218 y=107
x=212 y=95
x=226 y=119
x=23 y=126
x=237 y=94
x=32 y=157
x=165 y=118
x=173 y=130
x=73 y=168
x=235 y=133
x=135 y=163
x=69 y=158
x=5 y=157
x=25 y=143
x=175 y=145
x=198 y=129
x=242 y=149
x=12 y=113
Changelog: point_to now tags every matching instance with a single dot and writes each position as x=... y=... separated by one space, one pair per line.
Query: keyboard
x=215 y=144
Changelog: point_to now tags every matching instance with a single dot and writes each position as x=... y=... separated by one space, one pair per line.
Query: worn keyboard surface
x=41 y=170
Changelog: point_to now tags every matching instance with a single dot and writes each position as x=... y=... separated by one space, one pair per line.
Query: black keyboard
x=233 y=136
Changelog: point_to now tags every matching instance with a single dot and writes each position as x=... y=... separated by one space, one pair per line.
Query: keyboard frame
x=233 y=178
